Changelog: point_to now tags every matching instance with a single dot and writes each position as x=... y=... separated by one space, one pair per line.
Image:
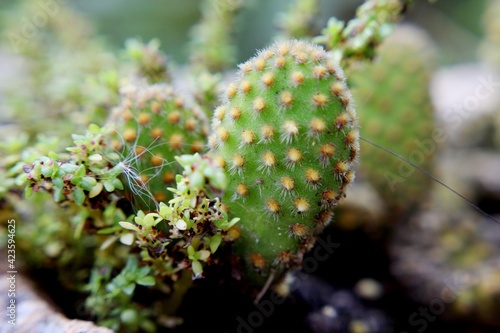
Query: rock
x=33 y=313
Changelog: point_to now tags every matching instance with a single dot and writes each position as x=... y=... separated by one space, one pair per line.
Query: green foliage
x=287 y=137
x=181 y=236
x=52 y=238
x=359 y=38
x=192 y=219
x=85 y=173
x=111 y=297
x=16 y=152
x=62 y=60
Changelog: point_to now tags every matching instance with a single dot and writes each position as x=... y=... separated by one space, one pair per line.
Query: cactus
x=212 y=46
x=153 y=124
x=298 y=21
x=287 y=137
x=490 y=47
x=150 y=62
x=394 y=103
x=496 y=124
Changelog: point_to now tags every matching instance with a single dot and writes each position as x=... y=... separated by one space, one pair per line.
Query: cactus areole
x=287 y=137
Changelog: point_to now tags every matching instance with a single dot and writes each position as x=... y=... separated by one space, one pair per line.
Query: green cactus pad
x=287 y=137
x=394 y=104
x=153 y=125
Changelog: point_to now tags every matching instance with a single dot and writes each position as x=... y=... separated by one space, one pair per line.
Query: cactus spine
x=287 y=136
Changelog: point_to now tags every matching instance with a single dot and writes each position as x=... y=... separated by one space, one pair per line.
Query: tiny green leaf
x=93 y=128
x=203 y=255
x=80 y=171
x=215 y=242
x=53 y=155
x=47 y=171
x=57 y=194
x=95 y=190
x=58 y=182
x=117 y=184
x=129 y=289
x=148 y=221
x=88 y=183
x=28 y=191
x=108 y=185
x=165 y=211
x=191 y=251
x=127 y=239
x=146 y=281
x=197 y=268
x=68 y=167
x=78 y=196
x=110 y=230
x=95 y=157
x=129 y=226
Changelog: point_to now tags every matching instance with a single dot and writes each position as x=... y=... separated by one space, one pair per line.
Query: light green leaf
x=96 y=190
x=58 y=182
x=148 y=221
x=47 y=171
x=165 y=211
x=127 y=239
x=28 y=192
x=108 y=242
x=109 y=186
x=57 y=194
x=215 y=242
x=68 y=167
x=196 y=181
x=191 y=251
x=110 y=230
x=53 y=155
x=129 y=226
x=197 y=268
x=129 y=289
x=88 y=183
x=146 y=281
x=93 y=128
x=78 y=196
x=95 y=157
x=117 y=184
x=203 y=254
x=37 y=171
x=232 y=222
x=80 y=171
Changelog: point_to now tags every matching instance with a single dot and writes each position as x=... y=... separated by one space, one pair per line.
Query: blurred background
x=455 y=25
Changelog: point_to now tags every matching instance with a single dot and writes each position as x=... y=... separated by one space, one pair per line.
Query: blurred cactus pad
x=392 y=95
x=152 y=125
